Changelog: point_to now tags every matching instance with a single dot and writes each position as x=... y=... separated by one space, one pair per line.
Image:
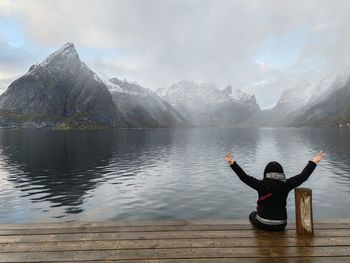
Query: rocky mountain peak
x=64 y=56
x=68 y=50
x=61 y=90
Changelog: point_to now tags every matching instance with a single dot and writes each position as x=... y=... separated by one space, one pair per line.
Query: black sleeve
x=297 y=180
x=249 y=180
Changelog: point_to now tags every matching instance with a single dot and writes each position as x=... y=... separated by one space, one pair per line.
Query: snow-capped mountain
x=290 y=100
x=141 y=107
x=206 y=105
x=189 y=90
x=300 y=102
x=295 y=98
x=329 y=85
x=329 y=104
x=61 y=90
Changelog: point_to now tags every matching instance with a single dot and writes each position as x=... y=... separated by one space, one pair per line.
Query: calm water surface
x=48 y=176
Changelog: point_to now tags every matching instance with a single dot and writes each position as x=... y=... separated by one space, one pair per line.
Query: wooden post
x=303 y=211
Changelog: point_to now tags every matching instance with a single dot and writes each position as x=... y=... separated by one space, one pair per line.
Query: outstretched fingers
x=228 y=157
x=321 y=154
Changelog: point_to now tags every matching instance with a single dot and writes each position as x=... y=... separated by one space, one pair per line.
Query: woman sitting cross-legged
x=273 y=191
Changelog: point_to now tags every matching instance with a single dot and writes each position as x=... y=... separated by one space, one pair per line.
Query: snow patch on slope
x=186 y=90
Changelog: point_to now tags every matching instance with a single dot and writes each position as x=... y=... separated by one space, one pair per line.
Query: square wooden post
x=303 y=211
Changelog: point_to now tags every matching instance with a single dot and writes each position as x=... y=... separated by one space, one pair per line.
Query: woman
x=271 y=212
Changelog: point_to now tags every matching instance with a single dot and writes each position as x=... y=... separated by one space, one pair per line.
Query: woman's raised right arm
x=297 y=180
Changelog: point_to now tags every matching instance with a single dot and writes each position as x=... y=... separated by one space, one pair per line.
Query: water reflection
x=160 y=173
x=336 y=142
x=56 y=166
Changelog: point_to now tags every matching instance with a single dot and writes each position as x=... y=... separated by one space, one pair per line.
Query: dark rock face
x=61 y=90
x=142 y=107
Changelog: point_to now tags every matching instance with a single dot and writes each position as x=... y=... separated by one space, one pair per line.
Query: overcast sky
x=261 y=47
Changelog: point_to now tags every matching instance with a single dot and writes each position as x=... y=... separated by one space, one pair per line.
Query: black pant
x=258 y=224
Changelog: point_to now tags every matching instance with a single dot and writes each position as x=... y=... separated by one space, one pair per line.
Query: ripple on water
x=140 y=174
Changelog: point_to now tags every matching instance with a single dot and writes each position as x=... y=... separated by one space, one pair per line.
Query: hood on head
x=274 y=171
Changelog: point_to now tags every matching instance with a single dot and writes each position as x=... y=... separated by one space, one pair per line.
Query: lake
x=80 y=175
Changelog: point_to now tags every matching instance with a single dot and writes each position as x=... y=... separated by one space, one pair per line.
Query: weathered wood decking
x=172 y=241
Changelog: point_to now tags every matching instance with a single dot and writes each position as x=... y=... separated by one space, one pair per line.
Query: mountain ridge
x=59 y=91
x=63 y=92
x=206 y=105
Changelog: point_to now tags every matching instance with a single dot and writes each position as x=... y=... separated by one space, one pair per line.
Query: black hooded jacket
x=273 y=193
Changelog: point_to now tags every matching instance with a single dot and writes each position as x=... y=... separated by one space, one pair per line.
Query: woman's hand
x=229 y=158
x=318 y=157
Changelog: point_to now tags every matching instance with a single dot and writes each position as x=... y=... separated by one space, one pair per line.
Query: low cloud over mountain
x=62 y=91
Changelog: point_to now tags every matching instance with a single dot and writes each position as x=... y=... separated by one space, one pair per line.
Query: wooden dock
x=172 y=241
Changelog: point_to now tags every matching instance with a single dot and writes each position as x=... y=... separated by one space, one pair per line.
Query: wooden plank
x=333 y=221
x=141 y=235
x=167 y=235
x=217 y=221
x=207 y=253
x=303 y=211
x=96 y=224
x=123 y=229
x=140 y=223
x=165 y=243
x=238 y=260
x=173 y=243
x=148 y=229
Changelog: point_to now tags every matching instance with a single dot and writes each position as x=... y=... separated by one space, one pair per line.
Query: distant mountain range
x=325 y=104
x=328 y=106
x=63 y=92
x=206 y=105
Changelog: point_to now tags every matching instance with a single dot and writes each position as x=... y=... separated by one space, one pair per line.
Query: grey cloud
x=199 y=40
x=14 y=58
x=14 y=62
